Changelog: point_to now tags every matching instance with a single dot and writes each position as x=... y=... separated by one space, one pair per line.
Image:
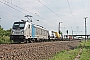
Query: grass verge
x=86 y=50
x=70 y=55
x=65 y=55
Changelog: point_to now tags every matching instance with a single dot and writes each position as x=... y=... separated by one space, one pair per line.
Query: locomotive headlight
x=12 y=31
x=22 y=32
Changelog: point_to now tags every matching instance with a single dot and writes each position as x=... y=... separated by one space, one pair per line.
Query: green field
x=70 y=55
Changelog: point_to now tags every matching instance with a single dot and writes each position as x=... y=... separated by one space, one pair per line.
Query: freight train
x=25 y=31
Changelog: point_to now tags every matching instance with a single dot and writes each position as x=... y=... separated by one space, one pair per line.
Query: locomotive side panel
x=41 y=33
x=33 y=31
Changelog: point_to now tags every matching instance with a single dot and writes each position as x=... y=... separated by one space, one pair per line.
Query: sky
x=71 y=13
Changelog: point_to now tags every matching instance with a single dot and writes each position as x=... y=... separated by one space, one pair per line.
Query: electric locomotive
x=25 y=31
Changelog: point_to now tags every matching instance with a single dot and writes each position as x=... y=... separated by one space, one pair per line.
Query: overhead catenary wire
x=40 y=16
x=32 y=6
x=56 y=8
x=24 y=9
x=12 y=7
x=49 y=9
x=20 y=8
x=69 y=7
x=17 y=6
x=36 y=13
x=27 y=11
x=9 y=14
x=54 y=4
x=70 y=11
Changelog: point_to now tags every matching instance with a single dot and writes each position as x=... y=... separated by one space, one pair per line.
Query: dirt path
x=79 y=54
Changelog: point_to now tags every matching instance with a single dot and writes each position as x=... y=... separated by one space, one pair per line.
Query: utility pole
x=59 y=28
x=85 y=28
x=72 y=32
x=29 y=18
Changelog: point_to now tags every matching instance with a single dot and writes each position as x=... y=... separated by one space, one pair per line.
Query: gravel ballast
x=34 y=51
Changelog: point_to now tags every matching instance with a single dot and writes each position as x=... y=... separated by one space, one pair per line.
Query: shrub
x=4 y=35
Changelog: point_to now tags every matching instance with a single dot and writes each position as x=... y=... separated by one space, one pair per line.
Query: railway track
x=34 y=51
x=50 y=40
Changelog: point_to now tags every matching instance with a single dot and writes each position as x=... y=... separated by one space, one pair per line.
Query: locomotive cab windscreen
x=18 y=25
